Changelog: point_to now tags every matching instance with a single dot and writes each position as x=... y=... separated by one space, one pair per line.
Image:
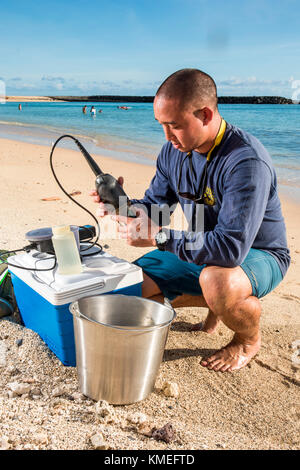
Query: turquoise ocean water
x=134 y=135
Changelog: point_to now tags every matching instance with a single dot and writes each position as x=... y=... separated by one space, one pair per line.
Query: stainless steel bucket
x=120 y=341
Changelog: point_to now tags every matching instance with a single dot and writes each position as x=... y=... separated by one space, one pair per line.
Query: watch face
x=161 y=237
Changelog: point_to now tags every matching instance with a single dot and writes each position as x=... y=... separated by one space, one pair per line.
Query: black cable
x=65 y=192
x=95 y=253
x=29 y=247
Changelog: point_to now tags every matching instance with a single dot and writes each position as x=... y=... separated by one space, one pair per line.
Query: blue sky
x=79 y=47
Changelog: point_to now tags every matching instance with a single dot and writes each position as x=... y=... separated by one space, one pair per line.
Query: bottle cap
x=61 y=230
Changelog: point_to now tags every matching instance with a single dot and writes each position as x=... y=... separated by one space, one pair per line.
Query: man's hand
x=139 y=231
x=102 y=210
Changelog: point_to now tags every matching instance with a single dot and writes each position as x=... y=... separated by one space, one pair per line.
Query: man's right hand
x=102 y=209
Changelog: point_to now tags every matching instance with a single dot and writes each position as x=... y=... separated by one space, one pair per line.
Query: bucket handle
x=75 y=311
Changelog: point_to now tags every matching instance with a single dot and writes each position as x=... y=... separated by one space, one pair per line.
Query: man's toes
x=206 y=362
x=218 y=365
x=214 y=364
x=226 y=367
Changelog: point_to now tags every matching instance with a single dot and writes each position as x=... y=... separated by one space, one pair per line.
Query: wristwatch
x=161 y=239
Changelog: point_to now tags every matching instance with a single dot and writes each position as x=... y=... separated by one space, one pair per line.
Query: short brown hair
x=190 y=86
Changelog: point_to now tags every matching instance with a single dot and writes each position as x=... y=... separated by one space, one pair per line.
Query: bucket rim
x=76 y=313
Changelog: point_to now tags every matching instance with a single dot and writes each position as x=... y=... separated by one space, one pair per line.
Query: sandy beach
x=254 y=408
x=30 y=99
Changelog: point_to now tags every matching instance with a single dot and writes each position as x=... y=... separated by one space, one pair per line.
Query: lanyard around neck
x=218 y=139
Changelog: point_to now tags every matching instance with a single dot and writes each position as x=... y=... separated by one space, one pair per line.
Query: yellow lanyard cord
x=218 y=139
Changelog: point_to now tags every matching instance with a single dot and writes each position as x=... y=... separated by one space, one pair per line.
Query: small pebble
x=98 y=442
x=170 y=389
x=137 y=418
x=166 y=433
x=4 y=443
x=58 y=391
x=19 y=342
x=19 y=388
x=105 y=411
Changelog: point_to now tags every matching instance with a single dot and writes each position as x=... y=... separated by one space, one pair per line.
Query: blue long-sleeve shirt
x=241 y=210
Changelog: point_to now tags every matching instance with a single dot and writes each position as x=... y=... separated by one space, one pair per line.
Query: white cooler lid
x=102 y=273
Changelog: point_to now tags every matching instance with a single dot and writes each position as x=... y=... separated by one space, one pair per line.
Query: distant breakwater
x=149 y=99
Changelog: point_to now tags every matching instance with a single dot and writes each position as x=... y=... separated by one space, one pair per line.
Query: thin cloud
x=52 y=79
x=253 y=86
x=252 y=81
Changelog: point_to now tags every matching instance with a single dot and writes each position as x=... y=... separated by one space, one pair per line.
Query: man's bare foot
x=234 y=356
x=209 y=325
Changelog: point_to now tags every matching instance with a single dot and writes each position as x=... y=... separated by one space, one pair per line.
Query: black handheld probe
x=108 y=188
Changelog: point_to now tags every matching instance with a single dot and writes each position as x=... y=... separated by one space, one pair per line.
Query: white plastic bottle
x=66 y=250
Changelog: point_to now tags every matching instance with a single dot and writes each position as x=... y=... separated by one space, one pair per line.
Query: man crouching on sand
x=240 y=254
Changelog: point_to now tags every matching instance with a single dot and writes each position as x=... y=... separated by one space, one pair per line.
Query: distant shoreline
x=33 y=99
x=147 y=99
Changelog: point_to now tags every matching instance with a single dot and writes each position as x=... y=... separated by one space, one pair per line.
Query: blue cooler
x=43 y=297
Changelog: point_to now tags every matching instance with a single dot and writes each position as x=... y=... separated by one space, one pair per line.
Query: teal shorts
x=176 y=277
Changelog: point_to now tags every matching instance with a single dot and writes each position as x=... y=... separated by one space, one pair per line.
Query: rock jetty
x=149 y=99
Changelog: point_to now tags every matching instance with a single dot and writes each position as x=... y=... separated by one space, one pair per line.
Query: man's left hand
x=138 y=231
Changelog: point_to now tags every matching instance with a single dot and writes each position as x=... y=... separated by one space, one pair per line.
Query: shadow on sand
x=174 y=354
x=182 y=326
